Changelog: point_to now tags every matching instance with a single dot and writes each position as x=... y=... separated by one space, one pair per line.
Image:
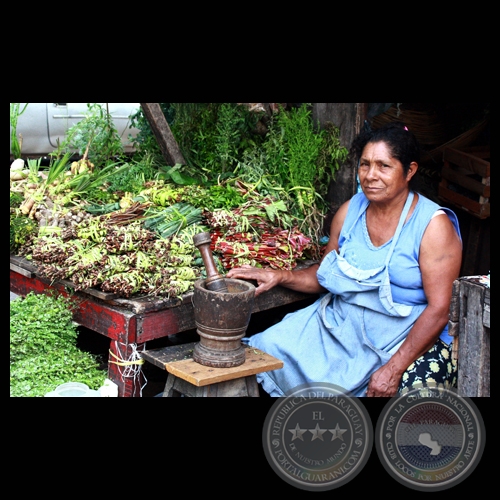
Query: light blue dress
x=375 y=295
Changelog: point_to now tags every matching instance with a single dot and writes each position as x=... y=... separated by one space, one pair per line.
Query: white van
x=43 y=124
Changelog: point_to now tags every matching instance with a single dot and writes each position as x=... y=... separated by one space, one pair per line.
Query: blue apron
x=345 y=335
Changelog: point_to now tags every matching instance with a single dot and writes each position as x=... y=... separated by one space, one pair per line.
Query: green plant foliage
x=81 y=185
x=294 y=161
x=218 y=196
x=231 y=128
x=194 y=130
x=169 y=221
x=297 y=162
x=96 y=134
x=133 y=178
x=22 y=230
x=15 y=199
x=43 y=350
x=293 y=148
x=16 y=143
x=211 y=137
x=180 y=174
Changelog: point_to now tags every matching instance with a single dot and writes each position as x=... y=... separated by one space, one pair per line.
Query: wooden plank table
x=129 y=323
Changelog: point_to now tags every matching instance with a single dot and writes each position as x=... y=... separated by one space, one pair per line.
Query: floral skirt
x=435 y=368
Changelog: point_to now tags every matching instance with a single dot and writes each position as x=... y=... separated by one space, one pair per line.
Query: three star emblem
x=317 y=433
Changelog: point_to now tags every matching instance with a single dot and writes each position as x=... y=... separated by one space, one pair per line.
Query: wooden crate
x=465 y=180
x=469 y=324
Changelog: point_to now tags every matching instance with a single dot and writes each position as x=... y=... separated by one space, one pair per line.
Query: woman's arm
x=440 y=259
x=302 y=280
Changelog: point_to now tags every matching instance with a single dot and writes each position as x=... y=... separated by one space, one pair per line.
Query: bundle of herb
x=171 y=220
x=43 y=347
x=22 y=231
x=133 y=178
x=296 y=163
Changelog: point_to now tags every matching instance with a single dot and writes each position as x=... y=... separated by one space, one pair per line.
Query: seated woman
x=385 y=282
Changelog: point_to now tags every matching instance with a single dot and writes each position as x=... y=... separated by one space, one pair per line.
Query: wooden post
x=473 y=338
x=166 y=140
x=348 y=117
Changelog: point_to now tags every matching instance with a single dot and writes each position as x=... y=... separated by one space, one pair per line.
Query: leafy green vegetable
x=22 y=230
x=133 y=178
x=172 y=219
x=43 y=350
x=15 y=199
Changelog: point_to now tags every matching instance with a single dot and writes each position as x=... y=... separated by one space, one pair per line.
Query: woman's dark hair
x=403 y=144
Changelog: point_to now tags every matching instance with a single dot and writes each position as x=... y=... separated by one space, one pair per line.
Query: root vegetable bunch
x=276 y=248
x=248 y=235
x=126 y=239
x=124 y=259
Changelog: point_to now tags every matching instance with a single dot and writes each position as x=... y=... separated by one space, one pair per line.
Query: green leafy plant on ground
x=43 y=347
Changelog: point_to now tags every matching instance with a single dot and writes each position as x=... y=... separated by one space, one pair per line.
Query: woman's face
x=380 y=175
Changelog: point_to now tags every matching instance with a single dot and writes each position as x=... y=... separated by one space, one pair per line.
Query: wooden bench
x=186 y=377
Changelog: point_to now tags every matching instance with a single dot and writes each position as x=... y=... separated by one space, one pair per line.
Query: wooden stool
x=186 y=377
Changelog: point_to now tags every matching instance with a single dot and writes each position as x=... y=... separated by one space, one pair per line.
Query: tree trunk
x=168 y=145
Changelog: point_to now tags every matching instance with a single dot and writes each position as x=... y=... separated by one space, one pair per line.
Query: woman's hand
x=301 y=280
x=266 y=278
x=384 y=382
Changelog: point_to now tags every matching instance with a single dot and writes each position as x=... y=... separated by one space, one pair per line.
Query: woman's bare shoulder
x=340 y=214
x=440 y=236
x=337 y=223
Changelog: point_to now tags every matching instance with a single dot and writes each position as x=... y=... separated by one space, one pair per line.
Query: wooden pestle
x=214 y=282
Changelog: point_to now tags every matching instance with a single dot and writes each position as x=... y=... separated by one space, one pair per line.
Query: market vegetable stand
x=129 y=322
